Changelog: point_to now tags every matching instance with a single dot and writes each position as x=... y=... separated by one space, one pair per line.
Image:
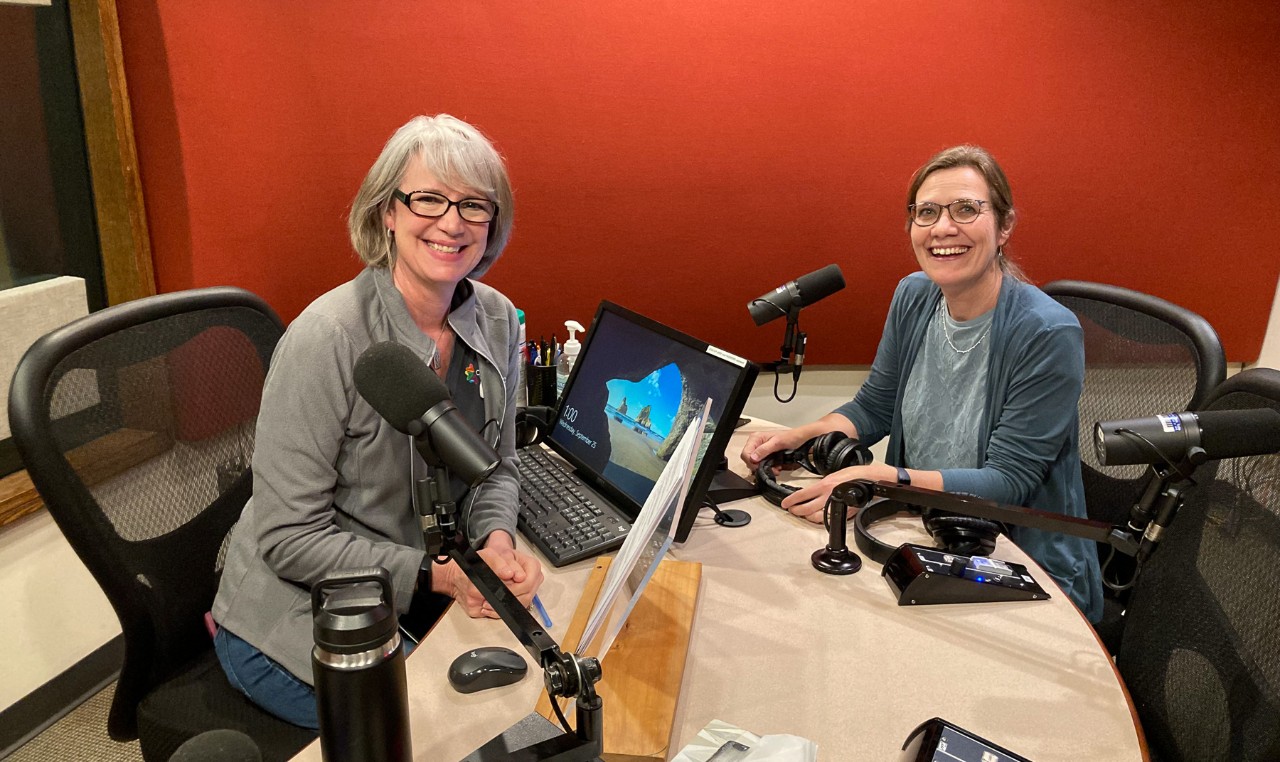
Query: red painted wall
x=683 y=158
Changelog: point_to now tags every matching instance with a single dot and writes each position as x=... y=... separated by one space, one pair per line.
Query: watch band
x=424 y=577
x=903 y=476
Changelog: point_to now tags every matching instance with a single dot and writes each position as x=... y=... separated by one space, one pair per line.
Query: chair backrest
x=136 y=425
x=1199 y=652
x=1143 y=356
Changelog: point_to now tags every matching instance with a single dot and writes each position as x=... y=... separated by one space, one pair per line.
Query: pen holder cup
x=542 y=385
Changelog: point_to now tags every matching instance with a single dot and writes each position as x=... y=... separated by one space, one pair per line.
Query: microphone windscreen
x=223 y=745
x=1239 y=433
x=819 y=284
x=398 y=385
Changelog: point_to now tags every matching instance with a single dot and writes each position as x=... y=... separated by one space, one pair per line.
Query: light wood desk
x=778 y=647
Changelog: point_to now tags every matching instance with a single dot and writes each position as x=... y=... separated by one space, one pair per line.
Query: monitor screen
x=635 y=387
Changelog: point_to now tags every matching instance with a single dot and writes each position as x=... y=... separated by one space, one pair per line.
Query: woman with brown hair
x=977 y=377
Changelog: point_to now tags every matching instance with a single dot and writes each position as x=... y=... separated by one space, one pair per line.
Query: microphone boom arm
x=565 y=675
x=859 y=492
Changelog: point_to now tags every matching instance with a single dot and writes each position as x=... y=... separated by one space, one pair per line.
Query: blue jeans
x=268 y=684
x=265 y=682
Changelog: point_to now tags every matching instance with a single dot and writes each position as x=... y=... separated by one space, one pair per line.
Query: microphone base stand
x=836 y=558
x=565 y=675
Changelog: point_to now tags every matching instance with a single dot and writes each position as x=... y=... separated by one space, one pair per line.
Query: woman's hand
x=808 y=502
x=520 y=572
x=762 y=444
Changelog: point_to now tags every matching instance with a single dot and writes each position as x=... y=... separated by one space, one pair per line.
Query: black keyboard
x=560 y=516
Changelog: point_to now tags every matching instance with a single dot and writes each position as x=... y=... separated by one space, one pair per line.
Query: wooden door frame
x=117 y=187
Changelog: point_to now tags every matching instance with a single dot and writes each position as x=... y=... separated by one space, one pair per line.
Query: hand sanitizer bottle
x=522 y=390
x=568 y=355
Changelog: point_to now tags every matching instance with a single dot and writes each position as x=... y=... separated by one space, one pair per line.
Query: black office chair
x=1199 y=652
x=136 y=425
x=1143 y=356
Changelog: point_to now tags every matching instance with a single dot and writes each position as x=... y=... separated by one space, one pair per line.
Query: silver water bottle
x=358 y=668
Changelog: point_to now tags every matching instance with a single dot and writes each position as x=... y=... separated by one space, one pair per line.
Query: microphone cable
x=785 y=359
x=1151 y=447
x=795 y=385
x=555 y=704
x=1144 y=513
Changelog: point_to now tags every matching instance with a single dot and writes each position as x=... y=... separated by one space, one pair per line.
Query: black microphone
x=800 y=292
x=403 y=390
x=1172 y=436
x=223 y=745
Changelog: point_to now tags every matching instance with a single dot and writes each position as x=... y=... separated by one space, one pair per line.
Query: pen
x=541 y=611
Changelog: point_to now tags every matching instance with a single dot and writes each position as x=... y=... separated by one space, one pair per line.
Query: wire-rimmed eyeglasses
x=962 y=211
x=431 y=205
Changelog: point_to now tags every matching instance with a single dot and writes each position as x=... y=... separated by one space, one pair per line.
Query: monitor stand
x=726 y=487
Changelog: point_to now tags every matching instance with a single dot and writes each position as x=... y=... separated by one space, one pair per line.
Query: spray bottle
x=522 y=389
x=568 y=355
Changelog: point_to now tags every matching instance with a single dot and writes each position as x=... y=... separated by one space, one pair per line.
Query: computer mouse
x=483 y=668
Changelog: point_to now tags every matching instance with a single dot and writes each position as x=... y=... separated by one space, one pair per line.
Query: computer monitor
x=635 y=387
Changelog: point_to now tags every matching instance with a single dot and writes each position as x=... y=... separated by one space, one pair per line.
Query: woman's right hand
x=762 y=444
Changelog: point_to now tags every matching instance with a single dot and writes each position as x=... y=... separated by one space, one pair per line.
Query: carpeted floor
x=81 y=736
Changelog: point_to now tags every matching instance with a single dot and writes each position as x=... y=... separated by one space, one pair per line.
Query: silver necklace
x=947 y=334
x=435 y=361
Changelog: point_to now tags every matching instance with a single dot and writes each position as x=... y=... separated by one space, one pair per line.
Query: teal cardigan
x=1030 y=434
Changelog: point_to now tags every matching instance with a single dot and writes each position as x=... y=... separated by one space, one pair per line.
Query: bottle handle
x=344 y=577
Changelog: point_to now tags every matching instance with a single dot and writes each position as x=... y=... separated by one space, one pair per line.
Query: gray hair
x=456 y=153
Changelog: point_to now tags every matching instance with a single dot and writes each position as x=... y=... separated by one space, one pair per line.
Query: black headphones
x=961 y=535
x=533 y=424
x=821 y=455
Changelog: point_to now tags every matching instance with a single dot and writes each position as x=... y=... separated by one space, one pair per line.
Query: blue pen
x=541 y=612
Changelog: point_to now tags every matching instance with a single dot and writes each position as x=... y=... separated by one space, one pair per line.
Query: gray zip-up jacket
x=331 y=484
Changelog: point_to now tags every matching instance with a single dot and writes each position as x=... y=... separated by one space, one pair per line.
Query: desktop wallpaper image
x=633 y=394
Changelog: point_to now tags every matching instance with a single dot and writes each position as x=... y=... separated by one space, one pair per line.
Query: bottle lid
x=520 y=316
x=353 y=611
x=572 y=345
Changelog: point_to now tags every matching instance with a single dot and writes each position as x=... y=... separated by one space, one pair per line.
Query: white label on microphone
x=1170 y=422
x=726 y=356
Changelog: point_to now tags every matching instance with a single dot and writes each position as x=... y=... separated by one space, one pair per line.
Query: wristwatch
x=903 y=476
x=424 y=577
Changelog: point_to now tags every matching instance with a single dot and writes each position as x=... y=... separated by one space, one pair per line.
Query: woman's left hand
x=808 y=502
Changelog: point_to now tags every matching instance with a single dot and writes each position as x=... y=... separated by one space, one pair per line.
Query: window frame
x=120 y=213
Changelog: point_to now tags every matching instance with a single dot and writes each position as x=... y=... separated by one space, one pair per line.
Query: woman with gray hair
x=332 y=479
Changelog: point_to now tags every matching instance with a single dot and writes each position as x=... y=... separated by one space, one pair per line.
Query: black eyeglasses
x=962 y=211
x=430 y=205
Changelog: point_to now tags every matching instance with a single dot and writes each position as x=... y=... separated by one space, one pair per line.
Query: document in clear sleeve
x=651 y=535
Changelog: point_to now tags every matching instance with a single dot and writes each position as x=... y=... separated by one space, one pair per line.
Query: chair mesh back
x=1199 y=652
x=158 y=420
x=137 y=427
x=1136 y=365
